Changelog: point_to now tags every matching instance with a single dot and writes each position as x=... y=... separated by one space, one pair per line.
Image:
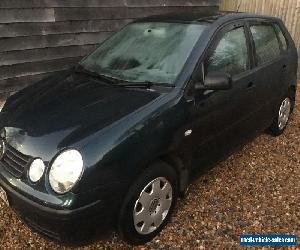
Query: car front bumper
x=61 y=225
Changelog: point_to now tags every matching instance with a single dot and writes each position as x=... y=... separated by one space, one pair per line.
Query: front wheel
x=148 y=204
x=282 y=117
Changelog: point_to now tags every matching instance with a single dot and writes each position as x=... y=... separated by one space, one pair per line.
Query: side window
x=266 y=43
x=281 y=37
x=231 y=53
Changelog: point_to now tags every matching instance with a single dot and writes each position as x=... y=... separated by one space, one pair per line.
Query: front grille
x=14 y=161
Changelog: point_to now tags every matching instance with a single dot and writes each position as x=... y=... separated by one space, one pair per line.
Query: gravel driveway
x=256 y=190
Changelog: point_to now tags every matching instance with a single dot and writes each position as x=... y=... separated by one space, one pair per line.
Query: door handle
x=284 y=68
x=250 y=85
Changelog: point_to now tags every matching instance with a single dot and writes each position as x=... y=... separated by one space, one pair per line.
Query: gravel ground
x=256 y=190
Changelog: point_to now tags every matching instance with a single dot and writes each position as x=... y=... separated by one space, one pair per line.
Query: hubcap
x=284 y=113
x=152 y=206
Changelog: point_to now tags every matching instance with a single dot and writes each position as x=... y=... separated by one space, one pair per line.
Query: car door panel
x=221 y=118
x=269 y=70
x=224 y=120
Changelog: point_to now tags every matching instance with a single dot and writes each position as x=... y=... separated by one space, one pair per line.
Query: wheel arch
x=181 y=170
x=292 y=92
x=293 y=88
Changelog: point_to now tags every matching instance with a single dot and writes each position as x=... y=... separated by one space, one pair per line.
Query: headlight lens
x=36 y=170
x=66 y=171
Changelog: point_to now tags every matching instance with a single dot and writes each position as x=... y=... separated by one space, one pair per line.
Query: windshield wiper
x=146 y=84
x=119 y=82
x=81 y=69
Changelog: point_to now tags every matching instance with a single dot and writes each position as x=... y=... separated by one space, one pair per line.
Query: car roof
x=208 y=16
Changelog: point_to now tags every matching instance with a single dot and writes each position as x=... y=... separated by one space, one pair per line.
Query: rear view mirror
x=215 y=81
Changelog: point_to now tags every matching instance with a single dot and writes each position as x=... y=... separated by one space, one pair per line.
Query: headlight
x=65 y=171
x=36 y=170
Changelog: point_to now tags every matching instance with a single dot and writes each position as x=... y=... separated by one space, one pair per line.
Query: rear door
x=270 y=67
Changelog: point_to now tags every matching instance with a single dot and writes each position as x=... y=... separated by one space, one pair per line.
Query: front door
x=221 y=117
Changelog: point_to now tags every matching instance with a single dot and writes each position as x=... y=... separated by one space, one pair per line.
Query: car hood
x=64 y=109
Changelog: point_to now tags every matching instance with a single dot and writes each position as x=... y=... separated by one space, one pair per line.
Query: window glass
x=266 y=43
x=231 y=54
x=281 y=37
x=143 y=52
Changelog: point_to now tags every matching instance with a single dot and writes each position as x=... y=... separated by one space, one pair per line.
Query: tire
x=283 y=113
x=150 y=203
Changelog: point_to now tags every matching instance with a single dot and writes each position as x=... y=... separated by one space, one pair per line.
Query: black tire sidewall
x=126 y=225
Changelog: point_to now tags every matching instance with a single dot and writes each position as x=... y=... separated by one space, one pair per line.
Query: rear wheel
x=284 y=111
x=148 y=204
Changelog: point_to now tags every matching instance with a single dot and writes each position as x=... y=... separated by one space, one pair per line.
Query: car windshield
x=145 y=52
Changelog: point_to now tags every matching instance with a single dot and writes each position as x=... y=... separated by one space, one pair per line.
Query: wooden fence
x=287 y=10
x=38 y=37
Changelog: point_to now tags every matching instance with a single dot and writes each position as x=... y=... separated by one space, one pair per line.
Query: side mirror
x=215 y=81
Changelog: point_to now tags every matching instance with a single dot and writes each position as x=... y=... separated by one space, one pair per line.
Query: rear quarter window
x=266 y=43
